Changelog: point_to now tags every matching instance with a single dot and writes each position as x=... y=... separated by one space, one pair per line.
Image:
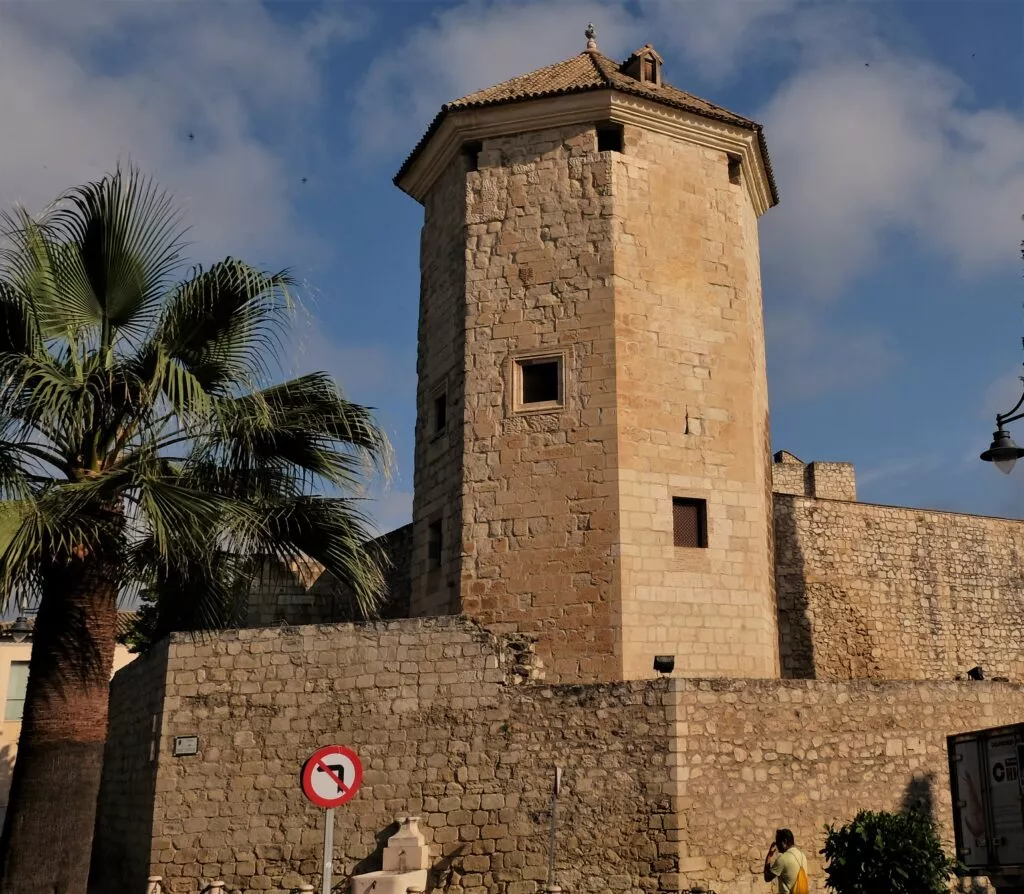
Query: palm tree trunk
x=47 y=838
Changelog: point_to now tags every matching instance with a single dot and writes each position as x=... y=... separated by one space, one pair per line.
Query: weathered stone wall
x=283 y=595
x=124 y=828
x=305 y=594
x=443 y=730
x=668 y=783
x=397 y=546
x=831 y=481
x=754 y=756
x=440 y=370
x=884 y=592
x=539 y=491
x=692 y=411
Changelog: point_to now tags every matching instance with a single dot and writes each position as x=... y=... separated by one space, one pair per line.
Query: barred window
x=689 y=522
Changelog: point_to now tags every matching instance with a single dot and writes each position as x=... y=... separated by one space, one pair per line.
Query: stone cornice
x=468 y=125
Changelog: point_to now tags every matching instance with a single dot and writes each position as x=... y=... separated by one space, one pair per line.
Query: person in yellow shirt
x=784 y=862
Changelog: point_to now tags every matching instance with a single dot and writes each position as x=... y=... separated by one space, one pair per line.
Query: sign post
x=331 y=777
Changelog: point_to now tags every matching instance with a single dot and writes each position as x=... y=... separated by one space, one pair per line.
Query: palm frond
x=303 y=424
x=224 y=324
x=120 y=240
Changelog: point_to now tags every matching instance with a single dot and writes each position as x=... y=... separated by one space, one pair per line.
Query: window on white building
x=17 y=683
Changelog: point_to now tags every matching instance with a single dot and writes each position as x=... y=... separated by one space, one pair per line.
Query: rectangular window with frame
x=17 y=683
x=689 y=522
x=538 y=383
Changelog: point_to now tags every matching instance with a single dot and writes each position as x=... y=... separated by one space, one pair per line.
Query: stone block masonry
x=884 y=592
x=668 y=784
x=753 y=756
x=446 y=730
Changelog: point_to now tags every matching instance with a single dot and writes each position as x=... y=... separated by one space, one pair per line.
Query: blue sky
x=892 y=273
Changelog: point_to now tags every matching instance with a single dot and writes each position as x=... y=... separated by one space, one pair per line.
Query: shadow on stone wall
x=123 y=841
x=374 y=861
x=919 y=796
x=796 y=638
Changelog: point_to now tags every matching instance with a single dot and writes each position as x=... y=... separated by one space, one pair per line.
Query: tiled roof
x=589 y=70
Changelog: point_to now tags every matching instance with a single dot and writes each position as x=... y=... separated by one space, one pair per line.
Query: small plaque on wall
x=185 y=745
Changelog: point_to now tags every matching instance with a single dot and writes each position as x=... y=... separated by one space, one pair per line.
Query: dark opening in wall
x=440 y=413
x=689 y=522
x=471 y=152
x=435 y=545
x=734 y=169
x=541 y=381
x=609 y=137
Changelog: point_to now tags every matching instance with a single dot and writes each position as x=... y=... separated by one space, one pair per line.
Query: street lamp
x=1003 y=451
x=20 y=629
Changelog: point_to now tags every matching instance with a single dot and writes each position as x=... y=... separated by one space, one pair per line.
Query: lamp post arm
x=1012 y=415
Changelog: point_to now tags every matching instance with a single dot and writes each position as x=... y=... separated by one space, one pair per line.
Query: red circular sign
x=332 y=776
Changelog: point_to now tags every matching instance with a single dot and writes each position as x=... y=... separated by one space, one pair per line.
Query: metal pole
x=328 y=852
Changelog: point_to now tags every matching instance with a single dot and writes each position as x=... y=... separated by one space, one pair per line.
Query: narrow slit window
x=539 y=382
x=17 y=683
x=689 y=522
x=472 y=151
x=440 y=413
x=735 y=169
x=435 y=545
x=609 y=138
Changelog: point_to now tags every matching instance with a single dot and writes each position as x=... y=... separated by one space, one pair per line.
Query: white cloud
x=862 y=152
x=899 y=471
x=85 y=85
x=469 y=47
x=808 y=358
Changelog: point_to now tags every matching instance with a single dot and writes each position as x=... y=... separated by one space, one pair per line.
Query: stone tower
x=592 y=447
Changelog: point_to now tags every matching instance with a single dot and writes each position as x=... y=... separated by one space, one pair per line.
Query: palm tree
x=142 y=446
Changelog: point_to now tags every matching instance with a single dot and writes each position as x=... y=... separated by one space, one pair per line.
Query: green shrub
x=895 y=853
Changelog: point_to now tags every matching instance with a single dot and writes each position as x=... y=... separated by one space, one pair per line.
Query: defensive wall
x=887 y=592
x=668 y=783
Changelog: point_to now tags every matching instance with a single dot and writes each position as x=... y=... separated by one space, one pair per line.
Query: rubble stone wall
x=540 y=520
x=884 y=592
x=441 y=375
x=754 y=756
x=668 y=783
x=449 y=727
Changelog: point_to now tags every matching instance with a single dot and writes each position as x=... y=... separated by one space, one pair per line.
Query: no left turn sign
x=332 y=776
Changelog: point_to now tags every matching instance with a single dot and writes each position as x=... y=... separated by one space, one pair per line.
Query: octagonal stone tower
x=592 y=447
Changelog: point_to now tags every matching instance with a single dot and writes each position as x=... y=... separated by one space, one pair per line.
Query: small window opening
x=540 y=381
x=17 y=683
x=609 y=138
x=734 y=169
x=435 y=544
x=648 y=73
x=440 y=413
x=472 y=151
x=689 y=522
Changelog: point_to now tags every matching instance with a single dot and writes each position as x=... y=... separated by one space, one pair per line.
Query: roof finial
x=591 y=34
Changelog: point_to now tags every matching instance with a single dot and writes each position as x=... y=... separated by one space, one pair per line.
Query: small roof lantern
x=644 y=66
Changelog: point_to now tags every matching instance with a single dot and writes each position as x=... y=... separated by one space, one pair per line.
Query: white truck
x=987 y=785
